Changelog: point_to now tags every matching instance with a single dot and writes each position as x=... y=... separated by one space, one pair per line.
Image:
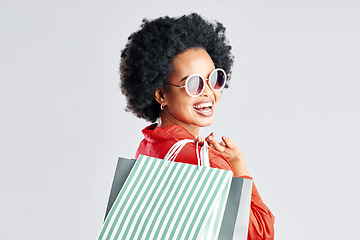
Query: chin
x=206 y=123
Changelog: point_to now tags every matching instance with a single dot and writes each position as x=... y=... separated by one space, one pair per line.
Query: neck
x=167 y=120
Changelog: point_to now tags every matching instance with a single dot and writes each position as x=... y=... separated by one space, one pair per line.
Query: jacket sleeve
x=261 y=222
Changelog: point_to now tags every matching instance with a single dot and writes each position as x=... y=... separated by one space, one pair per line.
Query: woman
x=172 y=71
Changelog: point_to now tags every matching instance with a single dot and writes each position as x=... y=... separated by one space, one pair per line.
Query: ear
x=159 y=95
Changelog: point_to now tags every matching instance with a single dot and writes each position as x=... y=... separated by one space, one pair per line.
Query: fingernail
x=210 y=137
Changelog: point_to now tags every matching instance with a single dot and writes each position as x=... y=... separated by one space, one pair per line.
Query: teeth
x=203 y=105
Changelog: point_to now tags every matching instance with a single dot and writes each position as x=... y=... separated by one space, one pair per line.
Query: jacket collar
x=153 y=133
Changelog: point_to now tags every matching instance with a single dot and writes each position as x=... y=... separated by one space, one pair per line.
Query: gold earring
x=162 y=106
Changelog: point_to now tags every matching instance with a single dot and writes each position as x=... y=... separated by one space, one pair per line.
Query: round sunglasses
x=195 y=84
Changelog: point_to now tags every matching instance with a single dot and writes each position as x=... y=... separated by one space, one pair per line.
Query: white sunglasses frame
x=198 y=75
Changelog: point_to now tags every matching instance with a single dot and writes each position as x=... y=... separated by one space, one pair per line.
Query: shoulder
x=154 y=148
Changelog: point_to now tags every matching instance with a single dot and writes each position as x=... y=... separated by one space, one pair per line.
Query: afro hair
x=147 y=59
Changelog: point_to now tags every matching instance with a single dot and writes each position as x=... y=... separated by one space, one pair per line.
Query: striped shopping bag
x=161 y=199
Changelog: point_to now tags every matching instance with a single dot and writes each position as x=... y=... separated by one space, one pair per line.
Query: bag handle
x=202 y=157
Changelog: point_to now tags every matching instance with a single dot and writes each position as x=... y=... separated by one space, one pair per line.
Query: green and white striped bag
x=162 y=199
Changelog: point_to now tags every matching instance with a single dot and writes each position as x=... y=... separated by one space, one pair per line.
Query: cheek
x=180 y=102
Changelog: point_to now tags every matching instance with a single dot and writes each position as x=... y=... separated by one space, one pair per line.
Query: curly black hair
x=147 y=59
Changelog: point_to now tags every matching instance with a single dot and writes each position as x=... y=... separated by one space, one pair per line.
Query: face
x=182 y=109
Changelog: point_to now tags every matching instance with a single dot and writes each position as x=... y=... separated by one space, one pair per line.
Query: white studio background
x=292 y=107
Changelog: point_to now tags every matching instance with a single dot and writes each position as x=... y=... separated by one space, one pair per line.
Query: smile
x=204 y=108
x=204 y=105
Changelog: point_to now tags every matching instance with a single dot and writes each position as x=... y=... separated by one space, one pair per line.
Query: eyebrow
x=184 y=78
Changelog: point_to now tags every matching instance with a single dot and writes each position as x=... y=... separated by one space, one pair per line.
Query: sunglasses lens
x=217 y=80
x=195 y=85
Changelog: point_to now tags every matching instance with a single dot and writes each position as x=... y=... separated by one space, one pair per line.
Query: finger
x=210 y=144
x=209 y=138
x=215 y=144
x=228 y=142
x=199 y=140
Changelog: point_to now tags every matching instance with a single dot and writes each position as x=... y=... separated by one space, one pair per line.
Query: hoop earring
x=162 y=106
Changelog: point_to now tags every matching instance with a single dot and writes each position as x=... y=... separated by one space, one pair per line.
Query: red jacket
x=157 y=142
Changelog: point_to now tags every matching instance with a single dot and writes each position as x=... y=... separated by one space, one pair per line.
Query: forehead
x=193 y=60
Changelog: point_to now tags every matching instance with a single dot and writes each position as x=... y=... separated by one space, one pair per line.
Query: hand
x=229 y=149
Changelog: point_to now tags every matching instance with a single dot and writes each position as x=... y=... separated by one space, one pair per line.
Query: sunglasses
x=195 y=84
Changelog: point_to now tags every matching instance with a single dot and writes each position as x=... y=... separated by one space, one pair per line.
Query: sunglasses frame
x=204 y=81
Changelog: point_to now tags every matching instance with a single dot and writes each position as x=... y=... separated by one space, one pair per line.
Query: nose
x=207 y=90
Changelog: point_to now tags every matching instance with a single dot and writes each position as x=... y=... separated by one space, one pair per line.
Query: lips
x=204 y=108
